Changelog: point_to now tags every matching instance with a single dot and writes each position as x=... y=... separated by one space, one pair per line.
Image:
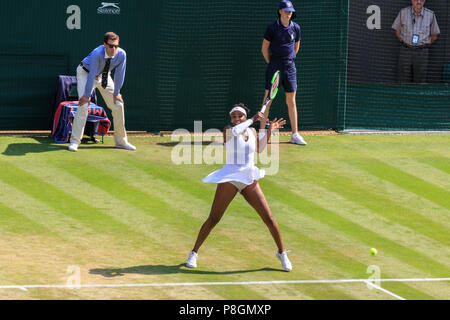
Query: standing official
x=283 y=39
x=95 y=70
x=416 y=28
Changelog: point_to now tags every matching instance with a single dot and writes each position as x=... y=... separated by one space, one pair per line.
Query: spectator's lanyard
x=415 y=36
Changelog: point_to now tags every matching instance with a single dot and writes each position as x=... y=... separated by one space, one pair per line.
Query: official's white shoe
x=126 y=146
x=73 y=147
x=192 y=260
x=285 y=263
x=297 y=139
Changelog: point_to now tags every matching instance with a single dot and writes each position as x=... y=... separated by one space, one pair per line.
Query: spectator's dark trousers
x=412 y=65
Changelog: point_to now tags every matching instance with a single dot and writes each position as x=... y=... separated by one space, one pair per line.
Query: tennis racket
x=273 y=90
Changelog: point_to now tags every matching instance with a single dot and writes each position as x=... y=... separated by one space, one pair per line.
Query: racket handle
x=263 y=108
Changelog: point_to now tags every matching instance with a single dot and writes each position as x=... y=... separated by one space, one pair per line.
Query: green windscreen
x=192 y=60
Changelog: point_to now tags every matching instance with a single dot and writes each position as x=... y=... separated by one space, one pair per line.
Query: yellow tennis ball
x=373 y=251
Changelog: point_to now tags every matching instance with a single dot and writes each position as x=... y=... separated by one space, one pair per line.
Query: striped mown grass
x=132 y=217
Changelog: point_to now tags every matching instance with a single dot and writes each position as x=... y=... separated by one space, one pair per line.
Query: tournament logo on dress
x=109 y=8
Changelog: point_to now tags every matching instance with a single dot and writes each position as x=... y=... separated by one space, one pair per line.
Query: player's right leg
x=225 y=193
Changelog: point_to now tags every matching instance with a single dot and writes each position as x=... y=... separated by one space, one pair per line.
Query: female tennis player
x=240 y=174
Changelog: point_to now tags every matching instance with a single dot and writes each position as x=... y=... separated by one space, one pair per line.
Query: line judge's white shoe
x=73 y=147
x=126 y=146
x=296 y=138
x=192 y=260
x=285 y=263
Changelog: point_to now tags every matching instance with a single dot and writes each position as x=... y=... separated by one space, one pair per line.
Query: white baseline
x=177 y=284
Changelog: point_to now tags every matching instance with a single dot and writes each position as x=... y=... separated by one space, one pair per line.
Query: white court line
x=385 y=291
x=176 y=284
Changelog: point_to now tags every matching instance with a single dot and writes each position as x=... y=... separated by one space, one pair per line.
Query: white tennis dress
x=240 y=164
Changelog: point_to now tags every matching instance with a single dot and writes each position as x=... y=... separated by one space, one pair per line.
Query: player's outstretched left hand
x=277 y=124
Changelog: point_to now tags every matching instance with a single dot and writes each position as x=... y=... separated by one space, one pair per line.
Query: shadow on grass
x=188 y=143
x=163 y=269
x=203 y=143
x=46 y=145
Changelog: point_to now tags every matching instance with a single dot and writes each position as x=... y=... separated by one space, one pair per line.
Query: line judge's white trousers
x=79 y=121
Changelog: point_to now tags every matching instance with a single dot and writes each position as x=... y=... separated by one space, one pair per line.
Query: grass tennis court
x=129 y=219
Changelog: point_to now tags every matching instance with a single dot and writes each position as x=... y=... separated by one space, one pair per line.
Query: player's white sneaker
x=297 y=139
x=192 y=260
x=126 y=146
x=285 y=263
x=73 y=147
